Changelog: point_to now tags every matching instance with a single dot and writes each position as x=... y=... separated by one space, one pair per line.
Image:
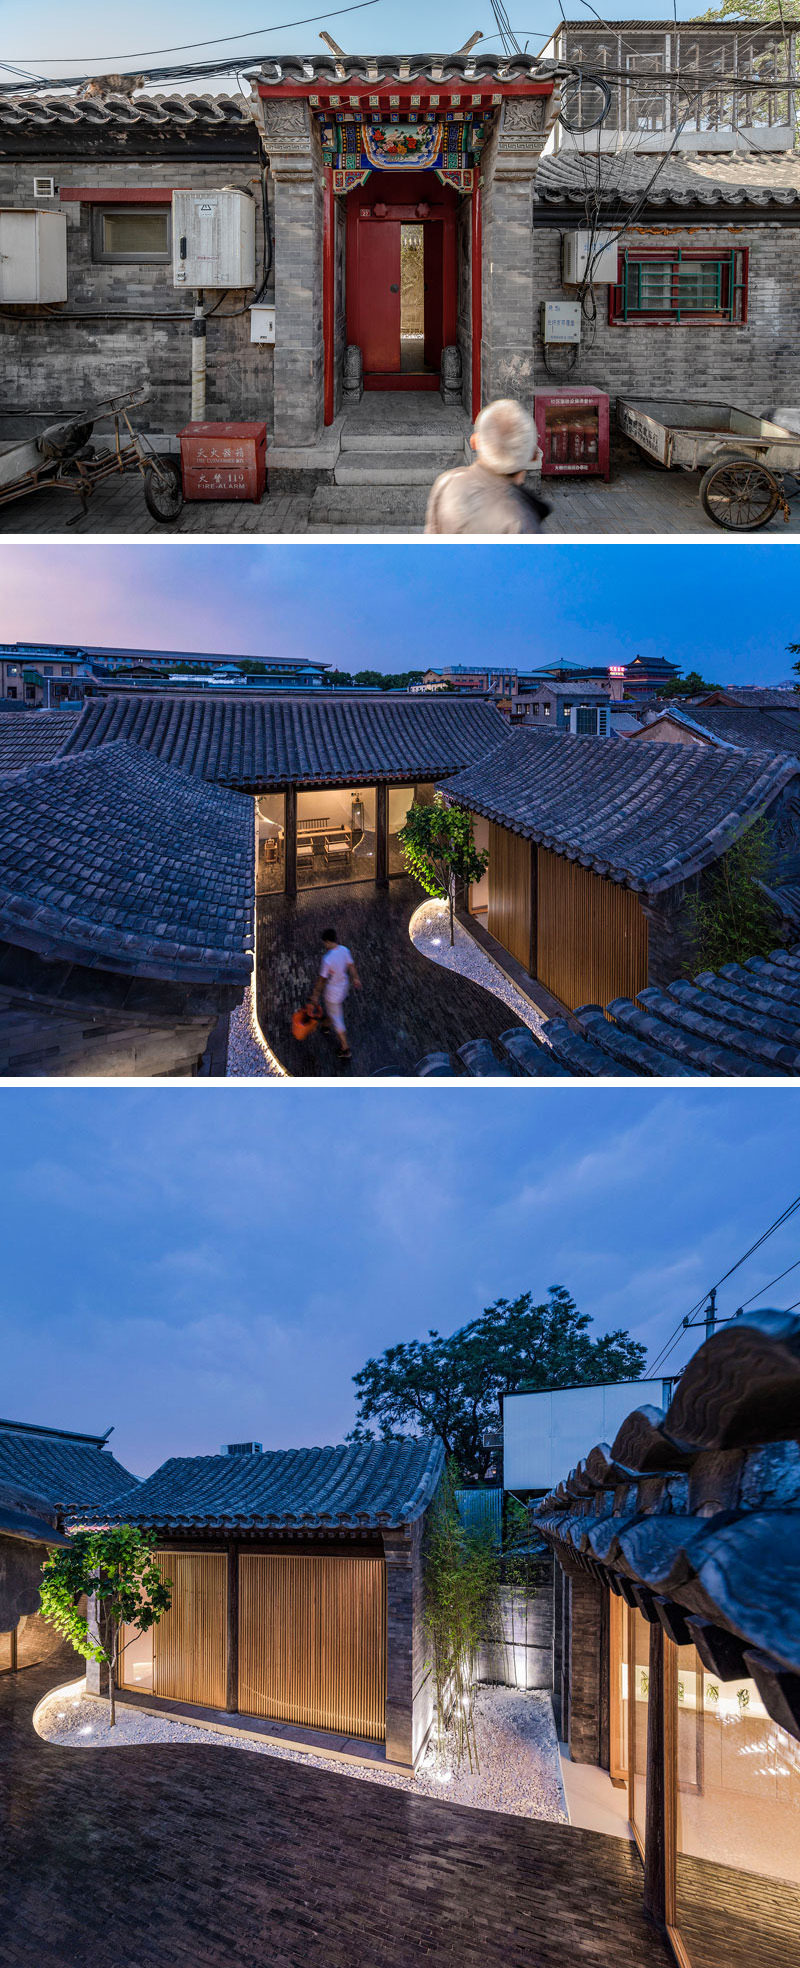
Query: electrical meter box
x=33 y=256
x=213 y=239
x=576 y=250
x=561 y=321
x=262 y=323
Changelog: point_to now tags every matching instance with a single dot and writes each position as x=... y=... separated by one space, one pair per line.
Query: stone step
x=439 y=438
x=385 y=510
x=394 y=468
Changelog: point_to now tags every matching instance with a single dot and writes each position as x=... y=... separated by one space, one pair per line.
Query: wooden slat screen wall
x=312 y=1641
x=191 y=1640
x=591 y=934
x=509 y=914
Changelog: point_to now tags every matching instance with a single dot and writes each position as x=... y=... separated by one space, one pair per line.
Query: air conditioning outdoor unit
x=213 y=239
x=241 y=1449
x=576 y=250
x=33 y=256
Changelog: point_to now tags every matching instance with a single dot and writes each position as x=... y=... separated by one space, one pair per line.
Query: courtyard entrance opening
x=401 y=278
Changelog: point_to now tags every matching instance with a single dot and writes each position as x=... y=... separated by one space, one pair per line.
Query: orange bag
x=305 y=1020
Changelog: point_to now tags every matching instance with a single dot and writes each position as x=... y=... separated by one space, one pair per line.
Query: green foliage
x=374 y=679
x=462 y=1592
x=692 y=685
x=729 y=916
x=438 y=847
x=747 y=10
x=451 y=1386
x=794 y=650
x=116 y=1568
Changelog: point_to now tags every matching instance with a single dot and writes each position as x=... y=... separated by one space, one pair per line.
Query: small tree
x=462 y=1610
x=116 y=1568
x=439 y=848
x=730 y=917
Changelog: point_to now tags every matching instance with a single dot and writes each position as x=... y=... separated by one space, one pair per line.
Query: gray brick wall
x=52 y=360
x=522 y=1657
x=754 y=366
x=583 y=1720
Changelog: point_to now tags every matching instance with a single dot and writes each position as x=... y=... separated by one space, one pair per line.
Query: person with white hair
x=489 y=496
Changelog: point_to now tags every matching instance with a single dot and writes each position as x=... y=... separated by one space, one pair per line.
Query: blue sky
x=55 y=40
x=725 y=608
x=198 y=1265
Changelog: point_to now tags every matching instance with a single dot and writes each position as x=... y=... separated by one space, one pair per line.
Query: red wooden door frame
x=328 y=297
x=476 y=285
x=444 y=214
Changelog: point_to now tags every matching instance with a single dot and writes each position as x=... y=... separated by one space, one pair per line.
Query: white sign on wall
x=561 y=321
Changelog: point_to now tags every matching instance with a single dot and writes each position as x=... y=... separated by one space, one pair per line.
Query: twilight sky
x=53 y=40
x=724 y=608
x=199 y=1265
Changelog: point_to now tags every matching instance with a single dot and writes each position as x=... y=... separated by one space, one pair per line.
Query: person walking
x=489 y=496
x=337 y=972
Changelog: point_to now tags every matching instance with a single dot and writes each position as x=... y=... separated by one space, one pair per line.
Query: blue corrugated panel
x=482 y=1510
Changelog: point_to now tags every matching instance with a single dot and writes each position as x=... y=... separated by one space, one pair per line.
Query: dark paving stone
x=193 y=1857
x=408 y=1005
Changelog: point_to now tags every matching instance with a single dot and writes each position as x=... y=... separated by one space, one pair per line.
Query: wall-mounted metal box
x=561 y=321
x=577 y=248
x=33 y=256
x=262 y=323
x=213 y=239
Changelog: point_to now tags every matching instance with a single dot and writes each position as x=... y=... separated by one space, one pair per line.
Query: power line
x=183 y=47
x=671 y=1343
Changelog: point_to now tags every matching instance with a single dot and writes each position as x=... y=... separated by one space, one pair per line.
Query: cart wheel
x=740 y=494
x=163 y=491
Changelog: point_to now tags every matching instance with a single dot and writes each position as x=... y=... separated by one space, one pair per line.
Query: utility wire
x=671 y=1343
x=183 y=47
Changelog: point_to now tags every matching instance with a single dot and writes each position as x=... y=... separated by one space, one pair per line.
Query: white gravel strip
x=249 y=1056
x=520 y=1768
x=429 y=930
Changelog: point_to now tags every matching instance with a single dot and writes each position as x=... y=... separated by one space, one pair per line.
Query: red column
x=328 y=276
x=476 y=256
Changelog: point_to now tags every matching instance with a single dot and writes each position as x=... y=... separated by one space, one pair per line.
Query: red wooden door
x=433 y=267
x=379 y=295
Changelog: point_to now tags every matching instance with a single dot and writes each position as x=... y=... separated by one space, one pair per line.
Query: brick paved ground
x=208 y=1858
x=638 y=500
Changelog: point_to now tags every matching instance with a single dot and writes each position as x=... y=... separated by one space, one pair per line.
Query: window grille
x=680 y=287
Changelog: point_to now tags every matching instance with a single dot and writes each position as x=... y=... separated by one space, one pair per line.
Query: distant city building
x=467 y=676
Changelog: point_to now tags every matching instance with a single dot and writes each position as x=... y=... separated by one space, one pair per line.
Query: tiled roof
x=357 y=1486
x=330 y=70
x=313 y=741
x=749 y=728
x=577 y=689
x=61 y=1472
x=743 y=1020
x=693 y=1511
x=765 y=696
x=645 y=815
x=32 y=738
x=692 y=178
x=68 y=113
x=115 y=859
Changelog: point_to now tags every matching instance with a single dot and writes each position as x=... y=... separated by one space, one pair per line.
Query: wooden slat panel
x=591 y=934
x=509 y=915
x=190 y=1641
x=312 y=1641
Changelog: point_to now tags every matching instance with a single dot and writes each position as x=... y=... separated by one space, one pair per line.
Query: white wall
x=545 y=1435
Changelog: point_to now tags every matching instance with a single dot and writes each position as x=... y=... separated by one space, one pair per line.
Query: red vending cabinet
x=224 y=461
x=572 y=425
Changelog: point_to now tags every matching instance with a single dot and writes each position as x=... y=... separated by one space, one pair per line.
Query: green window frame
x=680 y=286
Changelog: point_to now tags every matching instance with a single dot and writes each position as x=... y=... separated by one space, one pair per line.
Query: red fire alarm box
x=572 y=426
x=224 y=461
